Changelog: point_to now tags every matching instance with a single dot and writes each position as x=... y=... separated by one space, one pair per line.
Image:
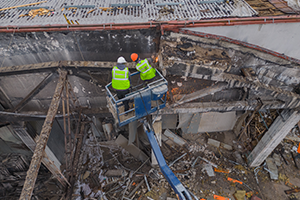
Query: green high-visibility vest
x=145 y=69
x=120 y=78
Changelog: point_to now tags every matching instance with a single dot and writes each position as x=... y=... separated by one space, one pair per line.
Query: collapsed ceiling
x=228 y=76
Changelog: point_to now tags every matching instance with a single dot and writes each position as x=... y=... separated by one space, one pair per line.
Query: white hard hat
x=121 y=60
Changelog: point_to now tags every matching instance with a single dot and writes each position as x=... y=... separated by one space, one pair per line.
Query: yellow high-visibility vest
x=120 y=78
x=145 y=69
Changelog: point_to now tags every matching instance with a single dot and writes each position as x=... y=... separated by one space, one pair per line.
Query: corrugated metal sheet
x=159 y=10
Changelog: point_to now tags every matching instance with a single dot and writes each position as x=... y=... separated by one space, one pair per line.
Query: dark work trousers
x=146 y=82
x=121 y=94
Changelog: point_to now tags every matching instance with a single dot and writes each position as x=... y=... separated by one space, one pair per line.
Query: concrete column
x=132 y=126
x=157 y=126
x=276 y=133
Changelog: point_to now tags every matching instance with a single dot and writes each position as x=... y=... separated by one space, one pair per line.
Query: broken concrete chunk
x=108 y=129
x=86 y=175
x=226 y=146
x=169 y=198
x=218 y=144
x=116 y=173
x=169 y=121
x=209 y=170
x=184 y=121
x=238 y=157
x=132 y=149
x=175 y=138
x=167 y=140
x=213 y=142
x=277 y=160
x=272 y=168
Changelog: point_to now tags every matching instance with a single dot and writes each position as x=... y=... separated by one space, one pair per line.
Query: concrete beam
x=53 y=66
x=42 y=141
x=239 y=81
x=4 y=100
x=34 y=92
x=201 y=93
x=38 y=115
x=276 y=133
x=220 y=107
x=214 y=73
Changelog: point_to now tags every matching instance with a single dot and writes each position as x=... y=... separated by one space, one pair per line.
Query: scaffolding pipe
x=164 y=25
x=43 y=139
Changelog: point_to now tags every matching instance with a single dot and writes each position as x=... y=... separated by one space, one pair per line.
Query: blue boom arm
x=177 y=186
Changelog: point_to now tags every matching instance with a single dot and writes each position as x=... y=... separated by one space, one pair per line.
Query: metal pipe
x=154 y=24
x=43 y=139
x=148 y=187
x=263 y=120
x=172 y=163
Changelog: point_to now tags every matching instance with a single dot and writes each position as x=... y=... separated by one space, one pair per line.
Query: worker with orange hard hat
x=147 y=72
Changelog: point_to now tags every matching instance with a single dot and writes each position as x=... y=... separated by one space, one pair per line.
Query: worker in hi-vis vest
x=143 y=66
x=121 y=80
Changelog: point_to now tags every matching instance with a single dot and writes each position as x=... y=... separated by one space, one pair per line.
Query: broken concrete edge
x=132 y=149
x=174 y=138
x=219 y=144
x=68 y=65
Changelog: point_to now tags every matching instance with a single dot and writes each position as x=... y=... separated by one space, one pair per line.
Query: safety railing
x=143 y=99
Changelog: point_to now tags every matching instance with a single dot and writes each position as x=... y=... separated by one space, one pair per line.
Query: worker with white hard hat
x=121 y=80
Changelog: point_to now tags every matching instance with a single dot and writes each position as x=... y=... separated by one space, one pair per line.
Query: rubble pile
x=13 y=168
x=257 y=127
x=208 y=171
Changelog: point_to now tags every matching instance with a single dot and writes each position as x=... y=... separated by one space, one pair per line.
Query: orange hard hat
x=134 y=56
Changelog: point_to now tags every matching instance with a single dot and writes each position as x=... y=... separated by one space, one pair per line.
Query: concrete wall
x=215 y=121
x=37 y=47
x=282 y=38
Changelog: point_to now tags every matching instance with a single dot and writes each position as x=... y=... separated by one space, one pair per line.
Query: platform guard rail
x=143 y=100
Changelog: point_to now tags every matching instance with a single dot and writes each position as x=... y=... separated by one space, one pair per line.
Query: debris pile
x=13 y=169
x=254 y=129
